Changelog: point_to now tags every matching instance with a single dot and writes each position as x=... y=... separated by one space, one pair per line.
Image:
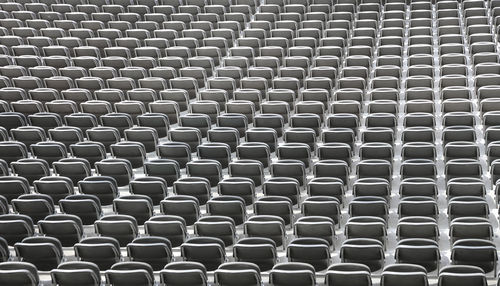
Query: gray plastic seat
x=123 y=228
x=44 y=252
x=292 y=273
x=68 y=229
x=18 y=273
x=344 y=274
x=155 y=251
x=209 y=251
x=103 y=251
x=462 y=275
x=79 y=272
x=179 y=273
x=125 y=273
x=410 y=274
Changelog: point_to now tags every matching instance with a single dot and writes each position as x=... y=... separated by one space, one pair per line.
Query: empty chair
x=363 y=250
x=465 y=187
x=276 y=206
x=228 y=206
x=86 y=207
x=170 y=227
x=470 y=227
x=179 y=273
x=169 y=108
x=46 y=120
x=220 y=152
x=190 y=135
x=261 y=251
x=243 y=272
x=374 y=168
x=12 y=187
x=31 y=169
x=11 y=120
x=119 y=169
x=410 y=274
x=49 y=151
x=315 y=226
x=467 y=206
x=270 y=120
x=325 y=200
x=18 y=273
x=13 y=151
x=462 y=275
x=165 y=169
x=179 y=96
x=206 y=107
x=36 y=206
x=104 y=135
x=157 y=121
x=123 y=228
x=120 y=121
x=292 y=273
x=193 y=186
x=475 y=252
x=368 y=206
x=418 y=251
x=306 y=120
x=244 y=107
x=314 y=251
x=185 y=206
x=259 y=151
x=12 y=94
x=417 y=227
x=132 y=107
x=335 y=151
x=56 y=187
x=133 y=152
x=155 y=251
x=124 y=273
x=140 y=207
x=276 y=107
x=103 y=251
x=177 y=151
x=376 y=150
x=282 y=186
x=366 y=227
x=220 y=227
x=28 y=135
x=371 y=187
x=43 y=252
x=205 y=168
x=67 y=228
x=76 y=169
x=67 y=135
x=209 y=251
x=27 y=107
x=235 y=120
x=344 y=274
x=153 y=187
x=67 y=273
x=83 y=121
x=289 y=168
x=418 y=206
x=251 y=169
x=103 y=187
x=227 y=135
x=16 y=227
x=297 y=151
x=332 y=168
